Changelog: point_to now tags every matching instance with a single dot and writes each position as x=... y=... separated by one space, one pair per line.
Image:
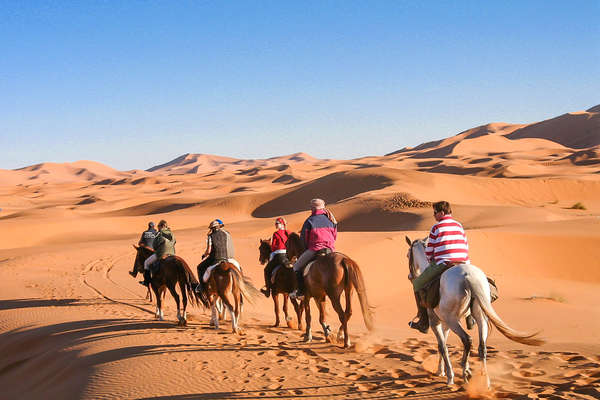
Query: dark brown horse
x=284 y=282
x=173 y=270
x=330 y=275
x=227 y=283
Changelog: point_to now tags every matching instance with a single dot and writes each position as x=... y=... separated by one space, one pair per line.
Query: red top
x=279 y=238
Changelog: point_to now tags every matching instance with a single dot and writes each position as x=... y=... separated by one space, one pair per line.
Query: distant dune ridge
x=546 y=148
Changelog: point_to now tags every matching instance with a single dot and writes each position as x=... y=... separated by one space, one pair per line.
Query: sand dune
x=74 y=324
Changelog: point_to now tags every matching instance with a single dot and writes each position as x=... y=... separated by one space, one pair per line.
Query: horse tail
x=247 y=290
x=478 y=293
x=189 y=281
x=353 y=272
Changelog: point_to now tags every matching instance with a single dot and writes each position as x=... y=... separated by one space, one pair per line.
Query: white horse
x=461 y=286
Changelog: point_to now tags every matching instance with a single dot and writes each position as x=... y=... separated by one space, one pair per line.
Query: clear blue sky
x=136 y=83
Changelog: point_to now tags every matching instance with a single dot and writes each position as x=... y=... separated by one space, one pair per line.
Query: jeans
x=149 y=262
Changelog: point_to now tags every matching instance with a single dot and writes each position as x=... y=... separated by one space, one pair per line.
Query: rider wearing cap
x=146 y=239
x=319 y=232
x=219 y=247
x=164 y=246
x=278 y=253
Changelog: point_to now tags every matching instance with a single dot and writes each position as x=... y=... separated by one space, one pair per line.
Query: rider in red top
x=278 y=253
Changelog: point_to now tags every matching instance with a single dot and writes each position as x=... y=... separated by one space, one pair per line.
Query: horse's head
x=294 y=246
x=417 y=259
x=142 y=254
x=264 y=250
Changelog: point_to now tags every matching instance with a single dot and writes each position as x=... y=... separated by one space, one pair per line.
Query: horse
x=173 y=270
x=227 y=283
x=329 y=276
x=464 y=288
x=284 y=282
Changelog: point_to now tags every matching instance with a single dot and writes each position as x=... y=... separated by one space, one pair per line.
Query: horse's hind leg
x=326 y=329
x=157 y=294
x=337 y=306
x=482 y=324
x=183 y=289
x=285 y=309
x=176 y=297
x=275 y=297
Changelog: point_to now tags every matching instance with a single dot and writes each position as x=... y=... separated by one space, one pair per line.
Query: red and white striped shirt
x=447 y=242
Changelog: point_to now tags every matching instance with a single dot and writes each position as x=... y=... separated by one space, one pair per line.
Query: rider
x=145 y=240
x=148 y=235
x=319 y=232
x=278 y=253
x=163 y=245
x=219 y=247
x=447 y=245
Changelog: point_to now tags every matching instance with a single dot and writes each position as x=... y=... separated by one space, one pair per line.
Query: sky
x=133 y=84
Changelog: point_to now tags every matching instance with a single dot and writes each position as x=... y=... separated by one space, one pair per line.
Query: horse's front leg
x=299 y=308
x=467 y=342
x=482 y=325
x=326 y=328
x=286 y=315
x=444 y=365
x=275 y=297
x=308 y=333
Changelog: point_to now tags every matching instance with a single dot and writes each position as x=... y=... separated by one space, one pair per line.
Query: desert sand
x=74 y=324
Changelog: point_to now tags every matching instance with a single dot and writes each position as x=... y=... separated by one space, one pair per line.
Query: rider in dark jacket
x=219 y=247
x=145 y=240
x=148 y=235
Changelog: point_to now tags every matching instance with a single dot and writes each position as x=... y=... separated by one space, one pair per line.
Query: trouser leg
x=422 y=324
x=147 y=264
x=301 y=262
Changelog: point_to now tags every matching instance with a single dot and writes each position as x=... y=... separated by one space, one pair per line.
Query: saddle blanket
x=233 y=261
x=307 y=268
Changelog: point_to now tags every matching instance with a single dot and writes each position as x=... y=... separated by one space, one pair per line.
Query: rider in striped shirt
x=447 y=245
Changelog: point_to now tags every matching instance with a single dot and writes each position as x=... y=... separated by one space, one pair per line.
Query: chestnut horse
x=173 y=270
x=330 y=275
x=284 y=282
x=227 y=283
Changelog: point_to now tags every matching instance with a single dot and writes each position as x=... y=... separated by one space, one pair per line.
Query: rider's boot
x=298 y=294
x=133 y=273
x=266 y=290
x=147 y=278
x=422 y=325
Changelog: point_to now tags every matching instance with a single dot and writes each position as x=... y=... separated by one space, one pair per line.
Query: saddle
x=209 y=270
x=323 y=252
x=430 y=294
x=155 y=266
x=319 y=253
